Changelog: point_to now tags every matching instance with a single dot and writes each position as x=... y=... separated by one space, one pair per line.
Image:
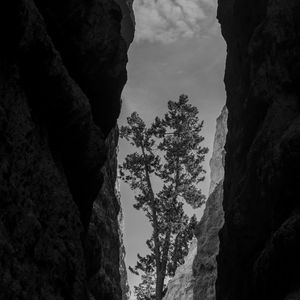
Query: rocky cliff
x=205 y=265
x=122 y=265
x=260 y=241
x=62 y=70
x=180 y=287
x=195 y=279
x=105 y=252
x=217 y=160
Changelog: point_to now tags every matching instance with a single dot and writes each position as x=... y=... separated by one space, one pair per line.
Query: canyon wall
x=180 y=287
x=205 y=265
x=62 y=70
x=260 y=241
x=104 y=248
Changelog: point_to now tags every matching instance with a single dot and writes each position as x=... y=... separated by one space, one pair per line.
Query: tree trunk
x=154 y=213
x=160 y=278
x=161 y=272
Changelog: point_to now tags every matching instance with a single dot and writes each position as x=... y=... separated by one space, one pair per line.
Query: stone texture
x=259 y=243
x=105 y=252
x=205 y=265
x=217 y=160
x=123 y=269
x=293 y=296
x=102 y=245
x=180 y=287
x=62 y=69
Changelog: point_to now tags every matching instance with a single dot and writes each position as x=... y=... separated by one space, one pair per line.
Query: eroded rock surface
x=180 y=287
x=205 y=265
x=122 y=265
x=62 y=69
x=106 y=270
x=259 y=244
x=217 y=160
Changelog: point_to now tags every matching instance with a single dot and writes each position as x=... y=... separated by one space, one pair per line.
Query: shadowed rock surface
x=260 y=241
x=62 y=69
x=105 y=252
x=205 y=265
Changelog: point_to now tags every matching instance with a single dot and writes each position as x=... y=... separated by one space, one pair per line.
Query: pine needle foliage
x=169 y=152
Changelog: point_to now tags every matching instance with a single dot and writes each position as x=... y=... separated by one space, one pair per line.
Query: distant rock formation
x=62 y=70
x=217 y=160
x=260 y=241
x=205 y=266
x=123 y=269
x=195 y=279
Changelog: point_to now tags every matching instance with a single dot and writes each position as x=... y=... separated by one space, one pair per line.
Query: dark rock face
x=62 y=69
x=205 y=265
x=102 y=246
x=106 y=270
x=260 y=241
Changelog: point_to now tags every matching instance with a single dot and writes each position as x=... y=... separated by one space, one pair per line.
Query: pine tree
x=169 y=151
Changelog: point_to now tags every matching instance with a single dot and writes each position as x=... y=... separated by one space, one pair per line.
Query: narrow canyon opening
x=178 y=49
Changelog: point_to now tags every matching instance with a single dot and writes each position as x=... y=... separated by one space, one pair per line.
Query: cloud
x=169 y=20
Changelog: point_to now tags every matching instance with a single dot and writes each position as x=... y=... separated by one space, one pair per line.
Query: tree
x=169 y=151
x=146 y=289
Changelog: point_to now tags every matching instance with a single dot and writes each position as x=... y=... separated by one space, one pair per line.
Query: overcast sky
x=178 y=49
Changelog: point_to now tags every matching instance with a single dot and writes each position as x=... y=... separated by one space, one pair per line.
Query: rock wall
x=105 y=252
x=217 y=160
x=260 y=241
x=62 y=70
x=205 y=265
x=180 y=287
x=122 y=265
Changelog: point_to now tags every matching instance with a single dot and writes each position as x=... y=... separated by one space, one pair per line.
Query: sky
x=178 y=49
